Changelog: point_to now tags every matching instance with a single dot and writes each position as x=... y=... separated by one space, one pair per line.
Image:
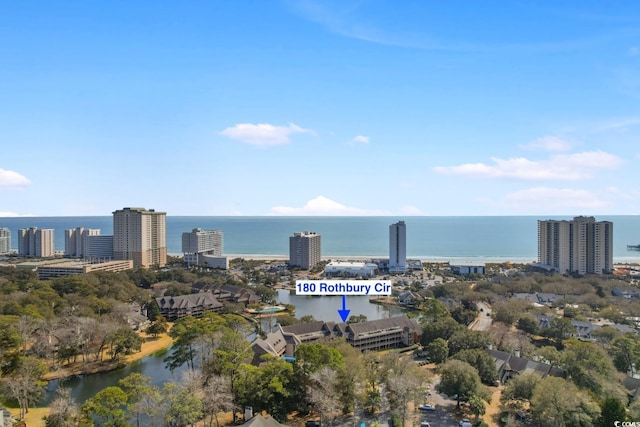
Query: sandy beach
x=360 y=258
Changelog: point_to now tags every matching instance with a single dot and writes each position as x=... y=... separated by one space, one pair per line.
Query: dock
x=633 y=247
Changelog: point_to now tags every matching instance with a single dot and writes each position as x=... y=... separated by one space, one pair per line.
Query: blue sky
x=311 y=107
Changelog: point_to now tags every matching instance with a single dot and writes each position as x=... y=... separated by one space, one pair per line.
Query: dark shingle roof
x=304 y=328
x=189 y=301
x=382 y=324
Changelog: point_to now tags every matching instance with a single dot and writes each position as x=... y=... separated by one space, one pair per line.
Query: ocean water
x=432 y=238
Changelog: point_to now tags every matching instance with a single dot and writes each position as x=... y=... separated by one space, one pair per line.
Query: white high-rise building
x=5 y=241
x=579 y=246
x=398 y=247
x=34 y=242
x=140 y=235
x=304 y=249
x=201 y=242
x=75 y=241
x=98 y=247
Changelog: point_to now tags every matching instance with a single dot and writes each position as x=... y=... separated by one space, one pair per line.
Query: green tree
x=142 y=397
x=432 y=311
x=482 y=361
x=23 y=384
x=612 y=410
x=442 y=328
x=228 y=358
x=551 y=355
x=158 y=326
x=181 y=407
x=266 y=387
x=528 y=324
x=153 y=310
x=508 y=312
x=477 y=406
x=358 y=318
x=466 y=339
x=559 y=329
x=589 y=366
x=520 y=387
x=108 y=406
x=558 y=403
x=124 y=341
x=438 y=350
x=625 y=351
x=266 y=294
x=458 y=379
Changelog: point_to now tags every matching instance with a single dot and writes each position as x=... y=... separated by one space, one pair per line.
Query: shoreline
x=149 y=347
x=427 y=259
x=434 y=259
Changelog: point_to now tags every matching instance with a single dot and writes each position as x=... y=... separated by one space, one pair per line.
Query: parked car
x=425 y=424
x=465 y=423
x=427 y=407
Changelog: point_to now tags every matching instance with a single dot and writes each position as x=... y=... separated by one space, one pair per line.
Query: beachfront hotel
x=304 y=249
x=35 y=242
x=140 y=235
x=398 y=247
x=75 y=241
x=5 y=241
x=204 y=247
x=579 y=246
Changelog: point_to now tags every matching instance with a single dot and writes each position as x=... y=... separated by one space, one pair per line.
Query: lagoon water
x=448 y=238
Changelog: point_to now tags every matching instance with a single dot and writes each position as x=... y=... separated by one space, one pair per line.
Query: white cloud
x=6 y=214
x=618 y=125
x=322 y=206
x=565 y=167
x=554 y=200
x=12 y=179
x=548 y=143
x=410 y=210
x=263 y=134
x=360 y=139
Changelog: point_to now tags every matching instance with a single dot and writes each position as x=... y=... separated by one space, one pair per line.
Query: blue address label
x=343 y=287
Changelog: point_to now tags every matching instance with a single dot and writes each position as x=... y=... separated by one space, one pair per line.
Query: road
x=483 y=321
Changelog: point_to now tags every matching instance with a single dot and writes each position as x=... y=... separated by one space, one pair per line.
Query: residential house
x=311 y=331
x=410 y=299
x=174 y=308
x=261 y=421
x=277 y=343
x=230 y=293
x=509 y=365
x=381 y=334
x=628 y=292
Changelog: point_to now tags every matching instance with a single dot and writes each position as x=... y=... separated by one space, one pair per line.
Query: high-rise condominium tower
x=201 y=242
x=398 y=247
x=304 y=249
x=34 y=242
x=75 y=241
x=140 y=235
x=580 y=246
x=5 y=241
